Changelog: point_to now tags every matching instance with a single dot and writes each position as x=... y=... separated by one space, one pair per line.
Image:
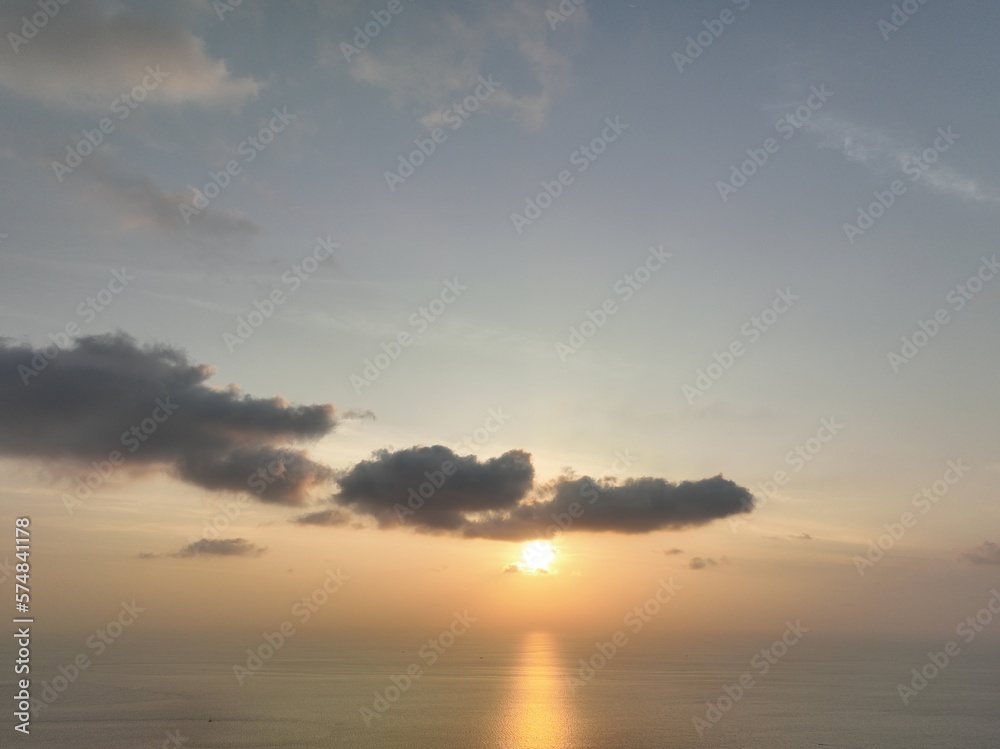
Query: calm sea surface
x=514 y=694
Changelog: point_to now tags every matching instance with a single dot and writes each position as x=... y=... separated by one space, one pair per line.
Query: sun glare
x=537 y=556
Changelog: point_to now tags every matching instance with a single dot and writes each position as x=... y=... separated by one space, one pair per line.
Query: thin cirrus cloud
x=85 y=57
x=434 y=490
x=435 y=60
x=85 y=403
x=880 y=149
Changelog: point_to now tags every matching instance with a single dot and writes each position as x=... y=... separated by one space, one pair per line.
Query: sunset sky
x=553 y=248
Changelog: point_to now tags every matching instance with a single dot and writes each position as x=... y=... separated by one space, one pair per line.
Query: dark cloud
x=332 y=516
x=223 y=547
x=434 y=490
x=699 y=564
x=219 y=547
x=107 y=395
x=672 y=552
x=986 y=553
x=640 y=505
x=801 y=536
x=512 y=568
x=278 y=474
x=443 y=487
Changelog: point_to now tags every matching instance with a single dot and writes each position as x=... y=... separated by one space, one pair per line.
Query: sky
x=719 y=279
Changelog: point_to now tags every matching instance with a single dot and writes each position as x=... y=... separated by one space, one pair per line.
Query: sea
x=533 y=690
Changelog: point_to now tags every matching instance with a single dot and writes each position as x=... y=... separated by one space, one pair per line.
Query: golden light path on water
x=541 y=711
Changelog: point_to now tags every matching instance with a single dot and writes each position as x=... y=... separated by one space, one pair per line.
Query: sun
x=537 y=556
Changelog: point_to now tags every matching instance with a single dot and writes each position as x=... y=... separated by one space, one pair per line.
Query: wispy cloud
x=141 y=203
x=986 y=553
x=96 y=51
x=947 y=180
x=881 y=149
x=433 y=61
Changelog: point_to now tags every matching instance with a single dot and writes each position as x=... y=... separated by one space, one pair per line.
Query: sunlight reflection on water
x=541 y=711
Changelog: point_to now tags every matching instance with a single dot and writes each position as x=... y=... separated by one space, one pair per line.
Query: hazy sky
x=647 y=242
